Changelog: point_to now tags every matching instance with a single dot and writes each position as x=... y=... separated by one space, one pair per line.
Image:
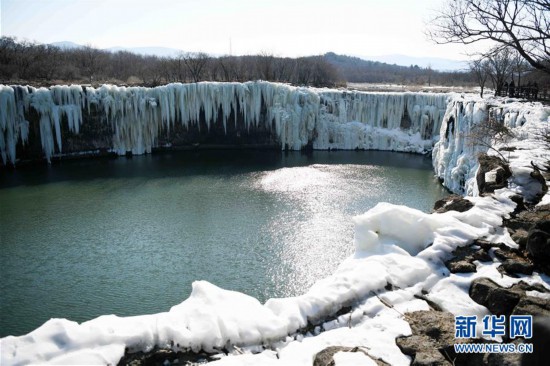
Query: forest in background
x=41 y=64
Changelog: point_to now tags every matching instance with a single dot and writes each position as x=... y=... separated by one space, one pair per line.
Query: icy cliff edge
x=135 y=118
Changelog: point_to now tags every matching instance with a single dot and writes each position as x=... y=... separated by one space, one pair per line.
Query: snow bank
x=327 y=119
x=455 y=154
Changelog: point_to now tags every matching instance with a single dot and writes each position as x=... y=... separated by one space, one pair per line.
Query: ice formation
x=13 y=126
x=327 y=119
x=455 y=154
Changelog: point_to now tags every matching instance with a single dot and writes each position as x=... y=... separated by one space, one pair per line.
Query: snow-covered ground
x=394 y=245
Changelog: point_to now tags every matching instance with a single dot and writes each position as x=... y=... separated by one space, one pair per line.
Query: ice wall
x=382 y=121
x=454 y=156
x=13 y=126
x=322 y=118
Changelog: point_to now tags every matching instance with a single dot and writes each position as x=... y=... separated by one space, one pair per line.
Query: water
x=129 y=236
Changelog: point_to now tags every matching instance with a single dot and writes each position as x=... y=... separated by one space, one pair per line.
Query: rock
x=163 y=356
x=520 y=204
x=514 y=261
x=463 y=258
x=526 y=219
x=493 y=173
x=498 y=300
x=432 y=330
x=538 y=241
x=522 y=267
x=452 y=203
x=531 y=305
x=326 y=356
x=432 y=340
x=517 y=224
x=517 y=266
x=430 y=357
x=520 y=237
x=507 y=301
x=541 y=344
x=461 y=266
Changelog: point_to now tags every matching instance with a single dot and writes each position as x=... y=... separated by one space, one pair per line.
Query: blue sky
x=282 y=27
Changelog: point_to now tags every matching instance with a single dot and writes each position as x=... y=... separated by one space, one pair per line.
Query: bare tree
x=501 y=63
x=90 y=60
x=196 y=63
x=265 y=63
x=523 y=25
x=480 y=69
x=519 y=66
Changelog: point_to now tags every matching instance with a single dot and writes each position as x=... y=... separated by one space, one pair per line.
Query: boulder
x=518 y=266
x=493 y=173
x=452 y=203
x=499 y=300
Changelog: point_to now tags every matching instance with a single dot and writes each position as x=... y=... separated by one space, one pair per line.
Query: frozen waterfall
x=295 y=117
x=455 y=155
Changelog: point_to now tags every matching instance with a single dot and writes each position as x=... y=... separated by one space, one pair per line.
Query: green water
x=129 y=236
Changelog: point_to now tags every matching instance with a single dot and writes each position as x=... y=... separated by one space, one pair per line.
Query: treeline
x=357 y=70
x=39 y=64
x=43 y=64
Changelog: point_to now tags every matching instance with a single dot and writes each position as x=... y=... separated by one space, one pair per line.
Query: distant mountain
x=436 y=63
x=66 y=45
x=148 y=51
x=357 y=70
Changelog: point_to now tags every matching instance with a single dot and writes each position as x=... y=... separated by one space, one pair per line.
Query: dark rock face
x=541 y=344
x=494 y=167
x=530 y=229
x=538 y=241
x=508 y=301
x=452 y=203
